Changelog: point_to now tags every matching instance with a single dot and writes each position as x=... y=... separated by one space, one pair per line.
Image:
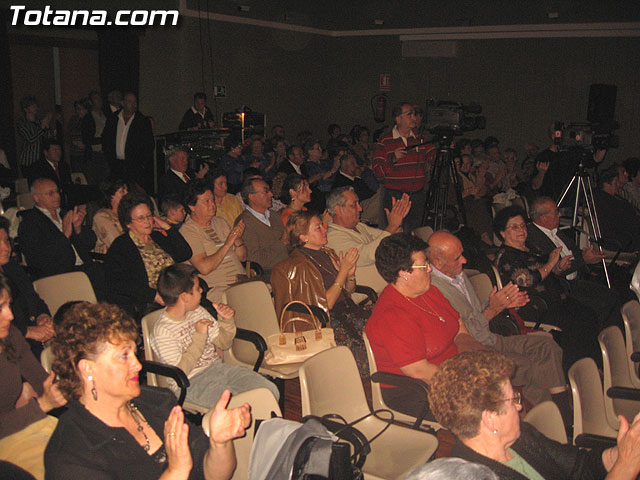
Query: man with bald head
x=53 y=241
x=538 y=358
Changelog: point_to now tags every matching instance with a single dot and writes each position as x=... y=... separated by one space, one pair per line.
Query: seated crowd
x=314 y=222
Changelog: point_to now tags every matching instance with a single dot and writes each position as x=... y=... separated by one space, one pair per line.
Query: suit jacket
x=47 y=250
x=540 y=244
x=286 y=167
x=139 y=146
x=25 y=302
x=171 y=184
x=42 y=169
x=361 y=188
x=128 y=283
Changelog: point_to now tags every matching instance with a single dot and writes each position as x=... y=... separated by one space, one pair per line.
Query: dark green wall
x=307 y=81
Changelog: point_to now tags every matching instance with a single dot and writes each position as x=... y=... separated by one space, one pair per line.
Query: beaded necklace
x=135 y=414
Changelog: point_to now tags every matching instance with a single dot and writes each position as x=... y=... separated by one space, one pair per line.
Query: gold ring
x=170 y=434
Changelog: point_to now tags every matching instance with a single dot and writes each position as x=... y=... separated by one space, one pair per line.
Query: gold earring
x=94 y=392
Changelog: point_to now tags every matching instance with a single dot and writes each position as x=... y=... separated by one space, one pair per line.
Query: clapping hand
x=176 y=444
x=349 y=260
x=509 y=296
x=399 y=210
x=224 y=311
x=227 y=424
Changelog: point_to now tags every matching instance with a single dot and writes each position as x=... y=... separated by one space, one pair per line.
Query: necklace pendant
x=441 y=319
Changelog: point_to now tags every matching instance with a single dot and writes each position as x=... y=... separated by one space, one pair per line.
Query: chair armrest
x=589 y=440
x=258 y=342
x=624 y=393
x=170 y=371
x=418 y=387
x=371 y=294
x=321 y=315
x=635 y=357
x=255 y=266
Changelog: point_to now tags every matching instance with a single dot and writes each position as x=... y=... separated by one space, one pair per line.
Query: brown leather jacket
x=297 y=278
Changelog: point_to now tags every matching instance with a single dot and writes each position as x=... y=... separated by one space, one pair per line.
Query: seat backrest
x=263 y=407
x=22 y=185
x=254 y=310
x=376 y=389
x=57 y=290
x=496 y=274
x=615 y=367
x=47 y=358
x=25 y=200
x=482 y=285
x=631 y=318
x=79 y=178
x=635 y=281
x=588 y=400
x=423 y=233
x=547 y=419
x=147 y=323
x=330 y=383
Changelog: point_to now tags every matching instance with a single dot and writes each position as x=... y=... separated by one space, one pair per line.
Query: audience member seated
x=28 y=394
x=136 y=258
x=335 y=131
x=106 y=224
x=449 y=468
x=514 y=176
x=227 y=205
x=174 y=181
x=296 y=193
x=349 y=176
x=471 y=396
x=31 y=315
x=538 y=358
x=540 y=276
x=347 y=231
x=496 y=169
x=319 y=174
x=543 y=237
x=617 y=218
x=264 y=232
x=295 y=158
x=279 y=155
x=256 y=157
x=173 y=211
x=114 y=428
x=362 y=147
x=217 y=249
x=53 y=242
x=187 y=336
x=316 y=275
x=51 y=166
x=475 y=205
x=413 y=328
x=199 y=116
x=631 y=191
x=233 y=162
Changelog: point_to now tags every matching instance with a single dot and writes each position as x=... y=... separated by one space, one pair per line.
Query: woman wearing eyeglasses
x=413 y=327
x=136 y=258
x=471 y=395
x=540 y=277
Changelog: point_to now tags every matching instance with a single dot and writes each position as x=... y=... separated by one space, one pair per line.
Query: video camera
x=590 y=136
x=453 y=116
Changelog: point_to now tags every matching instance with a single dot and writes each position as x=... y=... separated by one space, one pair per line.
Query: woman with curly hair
x=114 y=428
x=540 y=277
x=471 y=395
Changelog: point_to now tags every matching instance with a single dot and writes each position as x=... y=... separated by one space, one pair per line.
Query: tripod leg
x=593 y=216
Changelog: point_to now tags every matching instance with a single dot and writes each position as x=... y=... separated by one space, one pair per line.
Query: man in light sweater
x=187 y=336
x=347 y=231
x=264 y=231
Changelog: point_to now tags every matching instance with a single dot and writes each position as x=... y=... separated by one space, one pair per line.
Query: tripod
x=584 y=197
x=443 y=173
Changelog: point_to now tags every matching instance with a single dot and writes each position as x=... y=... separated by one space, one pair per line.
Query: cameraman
x=556 y=167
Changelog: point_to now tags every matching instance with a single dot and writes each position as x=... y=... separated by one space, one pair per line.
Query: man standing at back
x=401 y=169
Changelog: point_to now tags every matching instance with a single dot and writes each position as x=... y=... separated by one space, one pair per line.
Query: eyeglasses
x=520 y=226
x=516 y=399
x=410 y=113
x=428 y=265
x=142 y=219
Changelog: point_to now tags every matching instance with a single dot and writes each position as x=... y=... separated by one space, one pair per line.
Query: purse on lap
x=297 y=346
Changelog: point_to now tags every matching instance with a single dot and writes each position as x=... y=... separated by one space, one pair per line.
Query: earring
x=406 y=279
x=94 y=392
x=495 y=432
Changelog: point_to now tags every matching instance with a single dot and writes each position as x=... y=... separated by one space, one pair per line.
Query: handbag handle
x=286 y=307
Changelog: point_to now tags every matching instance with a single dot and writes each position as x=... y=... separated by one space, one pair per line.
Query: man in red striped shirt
x=403 y=170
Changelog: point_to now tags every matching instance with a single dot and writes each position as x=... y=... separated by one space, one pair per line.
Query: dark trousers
x=413 y=219
x=599 y=298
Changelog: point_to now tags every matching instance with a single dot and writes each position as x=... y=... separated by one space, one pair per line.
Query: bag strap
x=298 y=319
x=286 y=307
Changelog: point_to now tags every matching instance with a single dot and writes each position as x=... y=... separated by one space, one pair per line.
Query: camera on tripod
x=453 y=117
x=586 y=135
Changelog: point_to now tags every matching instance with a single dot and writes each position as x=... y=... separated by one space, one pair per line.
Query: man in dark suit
x=51 y=167
x=127 y=142
x=295 y=158
x=174 y=181
x=543 y=237
x=53 y=242
x=348 y=176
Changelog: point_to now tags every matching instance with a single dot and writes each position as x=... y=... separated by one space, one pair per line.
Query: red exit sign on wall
x=385 y=82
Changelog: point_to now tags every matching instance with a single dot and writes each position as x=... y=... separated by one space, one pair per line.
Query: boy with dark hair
x=173 y=210
x=187 y=336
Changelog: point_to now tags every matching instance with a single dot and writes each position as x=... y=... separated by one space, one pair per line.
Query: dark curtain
x=119 y=60
x=7 y=132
